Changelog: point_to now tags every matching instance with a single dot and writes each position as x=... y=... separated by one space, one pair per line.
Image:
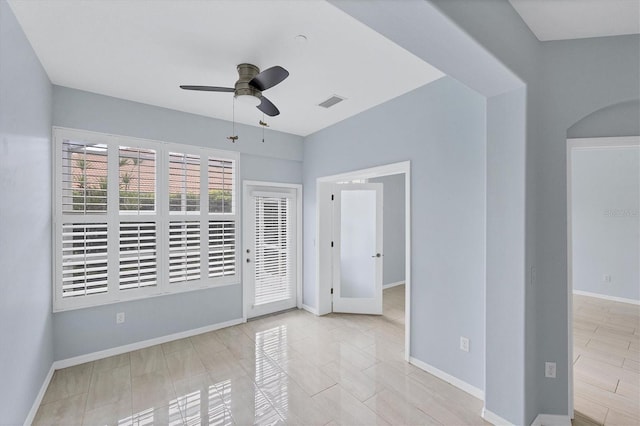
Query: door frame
x=246 y=216
x=574 y=144
x=324 y=231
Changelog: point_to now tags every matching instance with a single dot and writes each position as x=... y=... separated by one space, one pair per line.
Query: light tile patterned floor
x=292 y=368
x=606 y=353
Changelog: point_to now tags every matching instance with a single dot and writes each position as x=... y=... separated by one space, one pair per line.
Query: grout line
x=606 y=415
x=86 y=401
x=325 y=389
x=130 y=386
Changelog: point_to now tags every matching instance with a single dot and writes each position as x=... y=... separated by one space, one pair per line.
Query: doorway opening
x=398 y=303
x=272 y=244
x=603 y=252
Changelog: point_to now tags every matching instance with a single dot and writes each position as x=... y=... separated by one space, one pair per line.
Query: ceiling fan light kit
x=252 y=100
x=250 y=85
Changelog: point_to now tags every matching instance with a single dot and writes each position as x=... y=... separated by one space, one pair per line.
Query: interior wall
x=278 y=159
x=440 y=128
x=393 y=222
x=622 y=119
x=605 y=192
x=26 y=336
x=505 y=357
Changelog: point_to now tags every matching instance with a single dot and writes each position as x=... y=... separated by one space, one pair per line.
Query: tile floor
x=606 y=351
x=292 y=368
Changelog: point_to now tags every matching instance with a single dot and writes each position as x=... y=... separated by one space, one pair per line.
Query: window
x=129 y=222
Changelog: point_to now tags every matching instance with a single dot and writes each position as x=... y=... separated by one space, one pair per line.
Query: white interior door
x=270 y=252
x=357 y=251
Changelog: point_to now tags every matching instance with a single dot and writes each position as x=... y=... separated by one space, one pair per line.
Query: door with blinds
x=270 y=249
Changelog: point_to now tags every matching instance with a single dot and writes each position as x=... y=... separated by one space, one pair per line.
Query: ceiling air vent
x=331 y=101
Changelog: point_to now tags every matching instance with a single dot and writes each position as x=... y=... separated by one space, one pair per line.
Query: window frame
x=160 y=216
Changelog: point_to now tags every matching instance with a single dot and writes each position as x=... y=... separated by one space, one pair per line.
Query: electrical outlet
x=464 y=344
x=119 y=317
x=550 y=369
x=606 y=278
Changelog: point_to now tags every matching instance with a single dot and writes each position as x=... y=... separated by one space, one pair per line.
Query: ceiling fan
x=250 y=85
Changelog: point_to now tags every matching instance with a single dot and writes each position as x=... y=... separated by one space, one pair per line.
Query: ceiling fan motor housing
x=246 y=73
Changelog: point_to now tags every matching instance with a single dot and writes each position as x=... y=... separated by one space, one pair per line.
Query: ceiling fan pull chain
x=234 y=137
x=263 y=124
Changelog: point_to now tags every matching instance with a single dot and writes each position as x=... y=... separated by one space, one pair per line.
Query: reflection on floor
x=293 y=368
x=606 y=354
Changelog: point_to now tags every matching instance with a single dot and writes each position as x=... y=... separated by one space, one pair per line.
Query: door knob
x=377 y=255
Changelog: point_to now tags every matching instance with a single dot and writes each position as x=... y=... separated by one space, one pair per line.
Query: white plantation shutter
x=222 y=225
x=136 y=218
x=222 y=248
x=184 y=251
x=84 y=259
x=274 y=278
x=138 y=258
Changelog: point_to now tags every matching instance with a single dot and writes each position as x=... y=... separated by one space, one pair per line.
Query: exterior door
x=357 y=251
x=270 y=253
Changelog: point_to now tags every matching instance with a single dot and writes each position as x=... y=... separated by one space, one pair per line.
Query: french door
x=357 y=252
x=270 y=249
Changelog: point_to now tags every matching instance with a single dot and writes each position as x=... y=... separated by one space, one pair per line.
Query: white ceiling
x=571 y=19
x=143 y=50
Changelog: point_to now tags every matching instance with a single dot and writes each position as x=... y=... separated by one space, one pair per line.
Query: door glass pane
x=273 y=250
x=357 y=243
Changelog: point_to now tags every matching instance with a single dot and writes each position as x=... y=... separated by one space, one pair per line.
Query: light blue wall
x=621 y=119
x=440 y=128
x=605 y=192
x=84 y=331
x=90 y=111
x=278 y=159
x=26 y=343
x=505 y=375
x=393 y=238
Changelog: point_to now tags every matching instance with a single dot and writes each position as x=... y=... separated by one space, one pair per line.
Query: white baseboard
x=606 y=297
x=460 y=384
x=308 y=308
x=36 y=404
x=94 y=356
x=494 y=419
x=397 y=283
x=551 y=420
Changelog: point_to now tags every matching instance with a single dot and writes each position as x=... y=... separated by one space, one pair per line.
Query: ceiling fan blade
x=269 y=78
x=268 y=107
x=209 y=88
